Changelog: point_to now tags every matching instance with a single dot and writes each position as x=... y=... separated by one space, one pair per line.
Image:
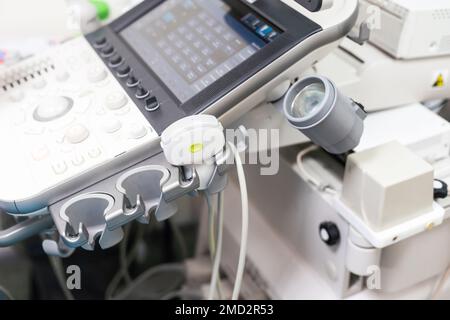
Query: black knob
x=440 y=189
x=141 y=92
x=329 y=233
x=115 y=61
x=107 y=51
x=100 y=42
x=123 y=71
x=151 y=104
x=132 y=81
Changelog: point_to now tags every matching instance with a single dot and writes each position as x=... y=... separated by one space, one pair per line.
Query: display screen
x=190 y=44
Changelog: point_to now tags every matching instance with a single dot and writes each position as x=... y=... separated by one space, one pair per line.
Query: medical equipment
x=94 y=179
x=308 y=263
x=56 y=112
x=408 y=29
x=408 y=40
x=317 y=254
x=359 y=71
x=315 y=107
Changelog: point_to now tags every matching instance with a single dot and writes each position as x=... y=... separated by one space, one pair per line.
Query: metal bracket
x=98 y=213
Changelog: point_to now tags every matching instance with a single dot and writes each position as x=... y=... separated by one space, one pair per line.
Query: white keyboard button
x=77 y=134
x=96 y=74
x=17 y=95
x=40 y=153
x=94 y=153
x=62 y=76
x=39 y=83
x=59 y=167
x=111 y=125
x=116 y=100
x=136 y=131
x=52 y=108
x=78 y=160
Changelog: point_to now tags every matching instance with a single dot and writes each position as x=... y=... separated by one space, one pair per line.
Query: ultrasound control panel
x=97 y=104
x=177 y=57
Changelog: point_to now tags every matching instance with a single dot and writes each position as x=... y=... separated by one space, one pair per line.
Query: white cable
x=58 y=269
x=245 y=218
x=215 y=281
x=5 y=294
x=439 y=286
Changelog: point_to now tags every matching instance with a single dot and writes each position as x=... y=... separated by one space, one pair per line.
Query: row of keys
x=40 y=83
x=62 y=166
x=124 y=72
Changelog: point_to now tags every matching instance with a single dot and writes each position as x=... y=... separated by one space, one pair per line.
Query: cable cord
x=439 y=286
x=215 y=286
x=58 y=269
x=126 y=259
x=150 y=273
x=133 y=284
x=179 y=240
x=245 y=218
x=123 y=255
x=215 y=276
x=5 y=294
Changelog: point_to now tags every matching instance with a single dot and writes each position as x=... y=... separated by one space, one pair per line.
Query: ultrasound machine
x=83 y=124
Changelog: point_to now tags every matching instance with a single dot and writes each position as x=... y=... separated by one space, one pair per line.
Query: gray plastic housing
x=336 y=125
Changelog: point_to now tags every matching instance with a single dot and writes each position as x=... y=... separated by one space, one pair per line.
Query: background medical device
x=316 y=107
x=409 y=40
x=409 y=29
x=96 y=105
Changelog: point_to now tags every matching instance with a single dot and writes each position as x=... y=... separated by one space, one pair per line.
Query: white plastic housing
x=388 y=185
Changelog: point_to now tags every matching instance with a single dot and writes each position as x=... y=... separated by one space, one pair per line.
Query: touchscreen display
x=189 y=44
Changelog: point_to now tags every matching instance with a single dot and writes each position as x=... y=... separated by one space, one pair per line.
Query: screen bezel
x=294 y=26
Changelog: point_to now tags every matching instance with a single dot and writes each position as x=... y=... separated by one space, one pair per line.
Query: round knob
x=132 y=81
x=52 y=108
x=107 y=51
x=123 y=71
x=100 y=42
x=96 y=74
x=115 y=61
x=440 y=189
x=142 y=93
x=329 y=233
x=77 y=134
x=116 y=100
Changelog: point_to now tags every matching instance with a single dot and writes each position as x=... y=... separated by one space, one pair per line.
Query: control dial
x=52 y=108
x=329 y=233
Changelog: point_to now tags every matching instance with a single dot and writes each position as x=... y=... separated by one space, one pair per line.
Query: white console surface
x=62 y=113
